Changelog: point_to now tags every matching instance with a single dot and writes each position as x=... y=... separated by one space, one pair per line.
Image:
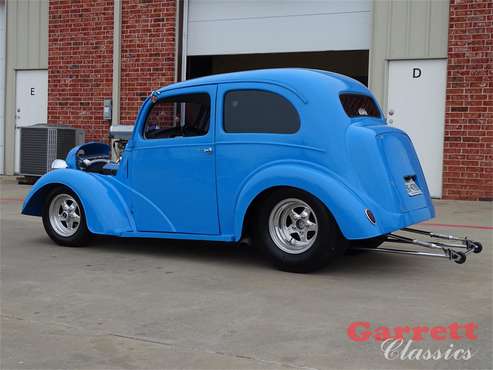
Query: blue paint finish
x=170 y=188
x=89 y=149
x=105 y=209
x=177 y=175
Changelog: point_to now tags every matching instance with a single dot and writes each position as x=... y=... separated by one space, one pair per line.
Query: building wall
x=147 y=52
x=26 y=49
x=80 y=64
x=405 y=30
x=468 y=152
x=81 y=59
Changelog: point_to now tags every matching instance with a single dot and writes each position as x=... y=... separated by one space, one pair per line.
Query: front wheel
x=297 y=232
x=64 y=219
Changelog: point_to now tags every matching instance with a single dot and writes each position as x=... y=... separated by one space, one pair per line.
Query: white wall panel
x=245 y=26
x=406 y=29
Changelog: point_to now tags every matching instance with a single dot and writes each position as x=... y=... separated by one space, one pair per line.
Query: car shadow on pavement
x=210 y=252
x=239 y=254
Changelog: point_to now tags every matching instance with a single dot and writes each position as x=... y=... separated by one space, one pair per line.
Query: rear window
x=356 y=105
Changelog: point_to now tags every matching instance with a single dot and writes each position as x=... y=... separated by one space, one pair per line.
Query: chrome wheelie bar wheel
x=293 y=226
x=65 y=215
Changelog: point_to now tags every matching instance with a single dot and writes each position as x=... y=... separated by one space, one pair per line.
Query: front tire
x=64 y=219
x=296 y=231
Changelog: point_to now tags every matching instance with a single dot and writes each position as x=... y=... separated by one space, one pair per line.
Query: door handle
x=207 y=150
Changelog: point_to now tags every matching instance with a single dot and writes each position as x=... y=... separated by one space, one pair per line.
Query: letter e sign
x=416 y=72
x=33 y=92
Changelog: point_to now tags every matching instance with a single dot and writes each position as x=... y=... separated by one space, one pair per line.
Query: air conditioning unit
x=42 y=144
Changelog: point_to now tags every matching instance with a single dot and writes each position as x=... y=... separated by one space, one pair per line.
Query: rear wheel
x=64 y=219
x=296 y=231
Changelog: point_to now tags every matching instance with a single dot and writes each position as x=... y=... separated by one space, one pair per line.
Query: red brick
x=468 y=153
x=80 y=59
x=80 y=51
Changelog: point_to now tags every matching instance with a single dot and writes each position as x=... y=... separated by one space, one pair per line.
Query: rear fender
x=105 y=208
x=347 y=208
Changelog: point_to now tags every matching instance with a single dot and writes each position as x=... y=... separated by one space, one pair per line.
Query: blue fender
x=345 y=205
x=105 y=208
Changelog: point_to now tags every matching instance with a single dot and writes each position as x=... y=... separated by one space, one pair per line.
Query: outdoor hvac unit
x=42 y=144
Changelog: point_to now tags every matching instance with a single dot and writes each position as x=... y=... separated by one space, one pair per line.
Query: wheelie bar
x=456 y=251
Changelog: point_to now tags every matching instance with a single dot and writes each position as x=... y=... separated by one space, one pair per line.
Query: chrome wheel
x=293 y=226
x=64 y=215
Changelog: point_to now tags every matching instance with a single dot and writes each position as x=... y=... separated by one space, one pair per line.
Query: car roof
x=296 y=79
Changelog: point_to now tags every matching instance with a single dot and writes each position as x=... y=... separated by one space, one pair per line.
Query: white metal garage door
x=244 y=26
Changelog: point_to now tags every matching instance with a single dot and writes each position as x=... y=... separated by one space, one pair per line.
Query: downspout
x=3 y=76
x=178 y=39
x=184 y=41
x=117 y=25
x=115 y=127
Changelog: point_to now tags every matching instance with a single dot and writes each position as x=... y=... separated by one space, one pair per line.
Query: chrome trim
x=58 y=164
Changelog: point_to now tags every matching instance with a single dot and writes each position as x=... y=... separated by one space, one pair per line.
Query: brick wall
x=80 y=64
x=80 y=76
x=468 y=153
x=148 y=51
x=80 y=59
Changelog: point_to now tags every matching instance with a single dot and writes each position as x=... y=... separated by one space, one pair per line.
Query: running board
x=456 y=252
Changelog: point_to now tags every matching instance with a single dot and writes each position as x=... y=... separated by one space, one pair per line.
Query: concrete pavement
x=125 y=304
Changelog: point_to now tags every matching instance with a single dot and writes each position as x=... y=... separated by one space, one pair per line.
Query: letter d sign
x=416 y=72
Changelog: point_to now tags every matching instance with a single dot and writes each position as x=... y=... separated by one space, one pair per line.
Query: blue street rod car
x=299 y=161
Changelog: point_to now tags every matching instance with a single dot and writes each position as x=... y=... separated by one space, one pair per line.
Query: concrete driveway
x=193 y=305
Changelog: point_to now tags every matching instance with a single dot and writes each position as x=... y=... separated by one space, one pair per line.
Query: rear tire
x=64 y=219
x=296 y=231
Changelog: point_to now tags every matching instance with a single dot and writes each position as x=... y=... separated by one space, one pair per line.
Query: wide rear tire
x=296 y=231
x=64 y=218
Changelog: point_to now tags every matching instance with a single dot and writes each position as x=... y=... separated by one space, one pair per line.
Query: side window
x=257 y=111
x=182 y=115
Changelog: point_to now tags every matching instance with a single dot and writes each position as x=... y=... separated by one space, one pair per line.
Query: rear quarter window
x=358 y=105
x=258 y=111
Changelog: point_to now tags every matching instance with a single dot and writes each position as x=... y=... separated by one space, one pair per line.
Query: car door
x=173 y=167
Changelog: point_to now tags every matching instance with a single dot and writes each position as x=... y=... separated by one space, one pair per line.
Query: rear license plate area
x=412 y=188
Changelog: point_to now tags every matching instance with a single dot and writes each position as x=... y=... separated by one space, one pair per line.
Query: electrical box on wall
x=107 y=109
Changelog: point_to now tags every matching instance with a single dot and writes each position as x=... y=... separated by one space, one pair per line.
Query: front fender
x=346 y=206
x=104 y=206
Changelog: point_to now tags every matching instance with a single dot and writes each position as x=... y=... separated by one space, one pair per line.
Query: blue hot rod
x=300 y=161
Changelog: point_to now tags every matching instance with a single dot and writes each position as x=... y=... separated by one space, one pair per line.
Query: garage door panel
x=243 y=27
x=203 y=10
